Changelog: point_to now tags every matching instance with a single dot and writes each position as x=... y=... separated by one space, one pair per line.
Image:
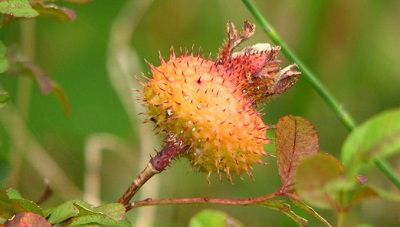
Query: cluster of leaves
x=310 y=178
x=14 y=62
x=18 y=211
x=323 y=181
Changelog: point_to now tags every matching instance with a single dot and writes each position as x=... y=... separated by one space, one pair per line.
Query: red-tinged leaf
x=55 y=12
x=27 y=220
x=46 y=85
x=361 y=179
x=41 y=77
x=296 y=138
x=62 y=97
x=29 y=69
x=315 y=178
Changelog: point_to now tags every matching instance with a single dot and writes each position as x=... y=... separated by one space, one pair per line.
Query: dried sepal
x=235 y=38
x=255 y=69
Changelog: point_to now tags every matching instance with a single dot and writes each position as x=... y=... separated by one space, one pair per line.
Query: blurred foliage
x=351 y=45
x=213 y=218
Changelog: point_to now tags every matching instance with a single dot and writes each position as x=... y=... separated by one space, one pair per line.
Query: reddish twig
x=202 y=200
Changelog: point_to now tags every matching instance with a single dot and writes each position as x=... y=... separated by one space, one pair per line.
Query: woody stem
x=157 y=164
x=202 y=200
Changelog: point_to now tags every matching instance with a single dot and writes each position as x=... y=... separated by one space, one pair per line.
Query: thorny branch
x=157 y=164
x=206 y=200
x=283 y=191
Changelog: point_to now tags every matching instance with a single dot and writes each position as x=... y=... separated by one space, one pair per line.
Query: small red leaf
x=27 y=220
x=296 y=138
x=62 y=97
x=361 y=179
x=42 y=77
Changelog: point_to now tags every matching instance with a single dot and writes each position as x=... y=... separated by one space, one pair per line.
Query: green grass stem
x=307 y=74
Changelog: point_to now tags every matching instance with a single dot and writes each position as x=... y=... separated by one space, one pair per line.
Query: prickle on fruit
x=211 y=105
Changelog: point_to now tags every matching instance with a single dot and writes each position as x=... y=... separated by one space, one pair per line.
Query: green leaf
x=65 y=211
x=6 y=208
x=5 y=166
x=377 y=138
x=13 y=194
x=115 y=211
x=3 y=57
x=98 y=219
x=27 y=220
x=4 y=97
x=283 y=207
x=310 y=210
x=213 y=218
x=107 y=215
x=17 y=8
x=55 y=12
x=296 y=138
x=22 y=204
x=315 y=176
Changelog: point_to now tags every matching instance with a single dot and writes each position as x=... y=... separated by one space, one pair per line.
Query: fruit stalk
x=173 y=148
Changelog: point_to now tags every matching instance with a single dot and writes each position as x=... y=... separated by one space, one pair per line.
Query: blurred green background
x=352 y=46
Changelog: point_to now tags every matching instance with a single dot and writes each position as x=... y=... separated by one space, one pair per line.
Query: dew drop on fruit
x=170 y=112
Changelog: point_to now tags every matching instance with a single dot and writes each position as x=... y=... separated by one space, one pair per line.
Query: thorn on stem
x=172 y=149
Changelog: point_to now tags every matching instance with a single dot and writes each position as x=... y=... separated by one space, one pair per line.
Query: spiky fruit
x=211 y=105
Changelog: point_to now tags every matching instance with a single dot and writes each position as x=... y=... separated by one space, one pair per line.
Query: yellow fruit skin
x=200 y=101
